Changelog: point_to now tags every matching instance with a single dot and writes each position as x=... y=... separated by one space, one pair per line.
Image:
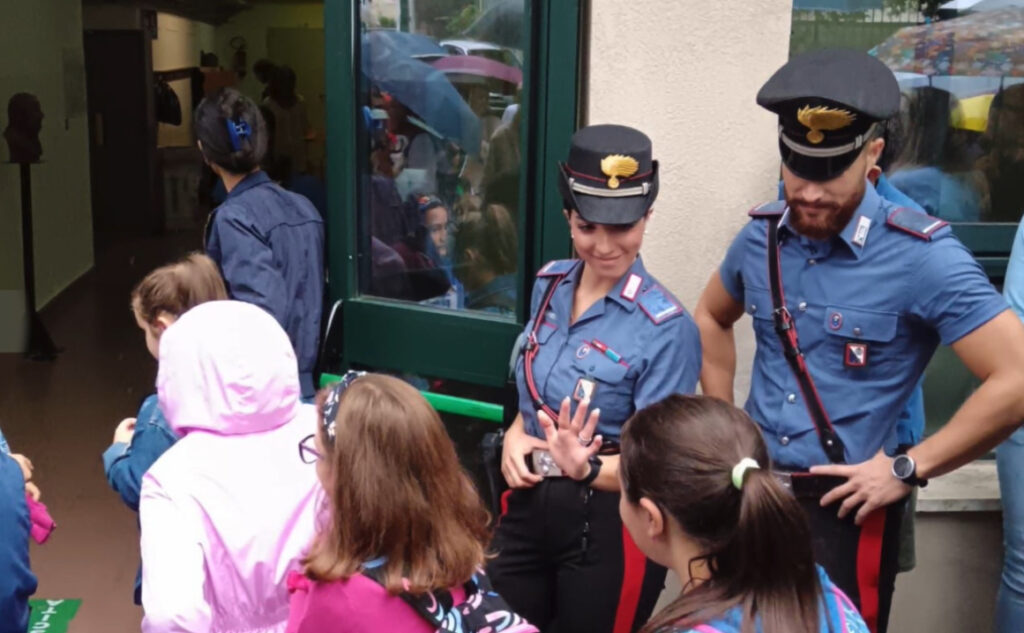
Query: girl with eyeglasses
x=402 y=523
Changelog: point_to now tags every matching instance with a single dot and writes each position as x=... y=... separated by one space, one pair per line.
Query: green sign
x=52 y=616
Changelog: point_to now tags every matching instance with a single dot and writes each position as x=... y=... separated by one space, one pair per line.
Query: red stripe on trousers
x=504 y=502
x=634 y=566
x=869 y=563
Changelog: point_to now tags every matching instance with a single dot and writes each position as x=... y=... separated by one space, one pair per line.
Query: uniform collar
x=252 y=180
x=868 y=208
x=618 y=292
x=866 y=215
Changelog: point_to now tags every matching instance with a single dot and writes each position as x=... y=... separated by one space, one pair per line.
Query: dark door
x=121 y=132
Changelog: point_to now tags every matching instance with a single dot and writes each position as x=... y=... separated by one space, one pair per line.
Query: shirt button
x=791 y=398
x=784 y=440
x=856 y=331
x=812 y=261
x=802 y=306
x=753 y=308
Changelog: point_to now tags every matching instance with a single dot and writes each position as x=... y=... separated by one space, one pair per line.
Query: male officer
x=850 y=295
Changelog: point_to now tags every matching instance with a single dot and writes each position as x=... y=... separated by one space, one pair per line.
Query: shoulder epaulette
x=659 y=305
x=557 y=267
x=774 y=208
x=915 y=222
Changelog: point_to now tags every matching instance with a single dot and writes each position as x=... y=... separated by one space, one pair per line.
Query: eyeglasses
x=307 y=450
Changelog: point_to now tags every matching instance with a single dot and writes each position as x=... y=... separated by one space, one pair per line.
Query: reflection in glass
x=956 y=147
x=441 y=124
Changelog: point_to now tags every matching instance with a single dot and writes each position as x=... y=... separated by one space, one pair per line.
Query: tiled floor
x=62 y=414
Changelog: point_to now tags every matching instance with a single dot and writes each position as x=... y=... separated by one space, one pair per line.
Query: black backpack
x=482 y=611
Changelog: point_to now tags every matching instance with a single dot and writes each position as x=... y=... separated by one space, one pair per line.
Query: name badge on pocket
x=584 y=390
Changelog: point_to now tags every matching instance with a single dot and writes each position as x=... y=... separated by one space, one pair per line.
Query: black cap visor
x=609 y=210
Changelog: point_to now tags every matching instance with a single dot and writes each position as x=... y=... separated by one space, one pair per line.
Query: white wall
x=253 y=25
x=178 y=44
x=687 y=74
x=41 y=53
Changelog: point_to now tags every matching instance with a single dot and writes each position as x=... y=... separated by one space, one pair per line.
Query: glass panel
x=438 y=219
x=956 y=147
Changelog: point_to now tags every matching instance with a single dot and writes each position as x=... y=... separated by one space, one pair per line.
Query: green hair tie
x=739 y=471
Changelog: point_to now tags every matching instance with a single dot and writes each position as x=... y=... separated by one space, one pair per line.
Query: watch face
x=903 y=467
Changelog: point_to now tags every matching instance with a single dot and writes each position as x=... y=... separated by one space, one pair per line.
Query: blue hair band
x=238 y=130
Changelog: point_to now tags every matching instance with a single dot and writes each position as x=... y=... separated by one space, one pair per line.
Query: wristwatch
x=595 y=470
x=904 y=468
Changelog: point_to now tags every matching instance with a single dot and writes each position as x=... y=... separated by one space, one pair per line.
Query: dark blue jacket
x=17 y=582
x=269 y=244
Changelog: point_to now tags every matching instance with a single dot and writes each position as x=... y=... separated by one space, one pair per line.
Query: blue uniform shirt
x=895 y=297
x=269 y=245
x=910 y=423
x=638 y=320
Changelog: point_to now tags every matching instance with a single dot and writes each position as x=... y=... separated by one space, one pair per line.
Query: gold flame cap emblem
x=617 y=166
x=822 y=118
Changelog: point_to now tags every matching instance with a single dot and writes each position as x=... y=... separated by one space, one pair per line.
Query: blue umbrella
x=423 y=89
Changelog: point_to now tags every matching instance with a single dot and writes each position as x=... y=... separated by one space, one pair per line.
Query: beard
x=830 y=217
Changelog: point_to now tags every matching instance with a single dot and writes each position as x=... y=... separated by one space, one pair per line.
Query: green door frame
x=396 y=336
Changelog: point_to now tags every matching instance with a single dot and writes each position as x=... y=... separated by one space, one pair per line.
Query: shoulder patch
x=769 y=209
x=659 y=305
x=557 y=267
x=915 y=222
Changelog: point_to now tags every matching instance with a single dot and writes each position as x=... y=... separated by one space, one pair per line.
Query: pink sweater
x=356 y=605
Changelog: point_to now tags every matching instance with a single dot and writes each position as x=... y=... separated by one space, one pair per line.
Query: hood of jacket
x=227 y=367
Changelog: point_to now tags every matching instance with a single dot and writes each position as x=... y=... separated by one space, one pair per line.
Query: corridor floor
x=62 y=415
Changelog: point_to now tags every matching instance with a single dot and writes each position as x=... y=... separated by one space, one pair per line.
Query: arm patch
x=774 y=208
x=918 y=224
x=557 y=267
x=659 y=305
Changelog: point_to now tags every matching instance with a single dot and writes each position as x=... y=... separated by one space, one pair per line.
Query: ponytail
x=682 y=453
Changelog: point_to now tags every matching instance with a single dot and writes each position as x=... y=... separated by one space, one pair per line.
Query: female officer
x=607 y=338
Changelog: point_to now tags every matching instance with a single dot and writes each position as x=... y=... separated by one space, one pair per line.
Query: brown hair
x=491 y=231
x=176 y=288
x=396 y=491
x=679 y=453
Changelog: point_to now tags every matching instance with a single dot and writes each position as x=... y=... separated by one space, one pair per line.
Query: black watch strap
x=595 y=470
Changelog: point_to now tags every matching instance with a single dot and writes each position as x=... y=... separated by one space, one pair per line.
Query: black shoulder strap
x=786 y=330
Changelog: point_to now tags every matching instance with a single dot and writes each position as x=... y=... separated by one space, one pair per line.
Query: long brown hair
x=679 y=453
x=396 y=490
x=176 y=288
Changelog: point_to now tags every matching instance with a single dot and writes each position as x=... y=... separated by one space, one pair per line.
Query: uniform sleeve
x=247 y=264
x=173 y=566
x=951 y=291
x=675 y=363
x=17 y=582
x=731 y=270
x=1013 y=286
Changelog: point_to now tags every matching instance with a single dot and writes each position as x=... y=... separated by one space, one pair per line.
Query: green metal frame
x=397 y=336
x=444 y=403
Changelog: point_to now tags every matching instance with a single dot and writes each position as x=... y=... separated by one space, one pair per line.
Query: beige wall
x=687 y=76
x=253 y=25
x=178 y=44
x=41 y=53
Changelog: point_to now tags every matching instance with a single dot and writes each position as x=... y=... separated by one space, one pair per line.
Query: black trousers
x=861 y=560
x=566 y=563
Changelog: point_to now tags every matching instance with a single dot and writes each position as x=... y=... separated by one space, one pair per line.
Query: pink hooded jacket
x=229 y=510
